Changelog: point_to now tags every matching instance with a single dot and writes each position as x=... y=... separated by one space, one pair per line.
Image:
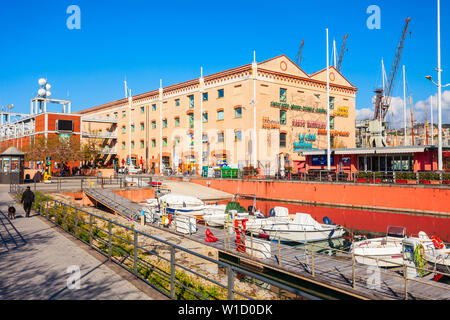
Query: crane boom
x=299 y=53
x=341 y=54
x=383 y=99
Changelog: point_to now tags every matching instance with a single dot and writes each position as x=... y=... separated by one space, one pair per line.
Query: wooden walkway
x=334 y=272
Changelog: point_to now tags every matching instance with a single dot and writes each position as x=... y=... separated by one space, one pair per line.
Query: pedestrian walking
x=27 y=200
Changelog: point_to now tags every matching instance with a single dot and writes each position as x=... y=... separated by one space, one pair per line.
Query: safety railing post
x=353 y=270
x=405 y=276
x=135 y=251
x=230 y=283
x=90 y=229
x=109 y=240
x=251 y=243
x=76 y=222
x=65 y=216
x=312 y=259
x=172 y=272
x=279 y=250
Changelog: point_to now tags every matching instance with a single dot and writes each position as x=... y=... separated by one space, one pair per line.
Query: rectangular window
x=142 y=110
x=220 y=137
x=283 y=117
x=282 y=95
x=124 y=129
x=220 y=115
x=238 y=112
x=142 y=126
x=205 y=138
x=205 y=116
x=165 y=123
x=132 y=144
x=177 y=141
x=331 y=123
x=124 y=114
x=282 y=139
x=191 y=102
x=177 y=122
x=153 y=124
x=191 y=120
x=220 y=93
x=142 y=144
x=132 y=128
x=153 y=143
x=331 y=103
x=237 y=135
x=177 y=102
x=164 y=142
x=154 y=107
x=205 y=96
x=123 y=145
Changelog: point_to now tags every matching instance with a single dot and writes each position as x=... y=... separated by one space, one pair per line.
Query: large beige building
x=214 y=117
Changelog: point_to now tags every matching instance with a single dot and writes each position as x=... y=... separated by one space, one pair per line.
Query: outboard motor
x=326 y=220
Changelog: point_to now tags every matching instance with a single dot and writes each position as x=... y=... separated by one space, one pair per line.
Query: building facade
x=260 y=114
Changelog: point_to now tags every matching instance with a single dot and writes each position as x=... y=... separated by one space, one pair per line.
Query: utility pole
x=254 y=140
x=404 y=103
x=201 y=87
x=426 y=125
x=439 y=70
x=328 y=107
x=160 y=126
x=412 y=122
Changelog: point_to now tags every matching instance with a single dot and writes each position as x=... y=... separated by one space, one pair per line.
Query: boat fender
x=272 y=213
x=250 y=209
x=438 y=244
x=331 y=234
x=326 y=220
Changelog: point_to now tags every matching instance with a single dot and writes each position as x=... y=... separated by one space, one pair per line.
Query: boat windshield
x=396 y=232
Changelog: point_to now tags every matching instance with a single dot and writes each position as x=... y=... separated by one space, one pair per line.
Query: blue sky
x=148 y=40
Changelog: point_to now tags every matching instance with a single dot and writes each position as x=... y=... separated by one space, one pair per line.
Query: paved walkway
x=36 y=259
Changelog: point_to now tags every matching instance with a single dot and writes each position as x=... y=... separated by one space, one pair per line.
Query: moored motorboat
x=303 y=228
x=382 y=252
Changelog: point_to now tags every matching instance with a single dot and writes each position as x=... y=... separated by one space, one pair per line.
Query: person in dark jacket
x=27 y=200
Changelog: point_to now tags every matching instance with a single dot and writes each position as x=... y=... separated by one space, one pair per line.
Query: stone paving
x=38 y=262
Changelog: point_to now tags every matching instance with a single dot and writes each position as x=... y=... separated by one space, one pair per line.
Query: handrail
x=44 y=210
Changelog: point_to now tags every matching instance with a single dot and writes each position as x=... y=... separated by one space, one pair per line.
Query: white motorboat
x=255 y=224
x=382 y=252
x=422 y=255
x=303 y=229
x=181 y=204
x=214 y=215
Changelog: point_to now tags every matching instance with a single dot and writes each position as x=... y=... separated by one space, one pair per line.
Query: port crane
x=341 y=54
x=377 y=126
x=299 y=53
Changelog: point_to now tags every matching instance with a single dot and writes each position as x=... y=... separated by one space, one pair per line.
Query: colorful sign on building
x=304 y=142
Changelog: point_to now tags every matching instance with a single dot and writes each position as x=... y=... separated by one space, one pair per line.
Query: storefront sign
x=341 y=112
x=270 y=124
x=298 y=123
x=334 y=133
x=304 y=142
x=298 y=108
x=317 y=125
x=321 y=160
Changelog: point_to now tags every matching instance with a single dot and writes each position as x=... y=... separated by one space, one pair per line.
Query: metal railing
x=157 y=262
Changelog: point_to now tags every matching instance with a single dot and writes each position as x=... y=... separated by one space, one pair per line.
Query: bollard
x=135 y=251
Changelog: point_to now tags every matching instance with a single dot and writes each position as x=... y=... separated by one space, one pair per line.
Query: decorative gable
x=282 y=64
x=335 y=77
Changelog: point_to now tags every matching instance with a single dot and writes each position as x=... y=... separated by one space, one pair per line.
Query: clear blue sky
x=148 y=40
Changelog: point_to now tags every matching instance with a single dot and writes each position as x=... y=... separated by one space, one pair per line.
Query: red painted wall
x=381 y=196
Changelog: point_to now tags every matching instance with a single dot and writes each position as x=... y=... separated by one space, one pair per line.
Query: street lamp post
x=439 y=85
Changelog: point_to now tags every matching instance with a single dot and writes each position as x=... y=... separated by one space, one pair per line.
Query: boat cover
x=305 y=219
x=281 y=212
x=177 y=199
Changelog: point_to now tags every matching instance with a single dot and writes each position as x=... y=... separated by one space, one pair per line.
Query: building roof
x=195 y=82
x=12 y=151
